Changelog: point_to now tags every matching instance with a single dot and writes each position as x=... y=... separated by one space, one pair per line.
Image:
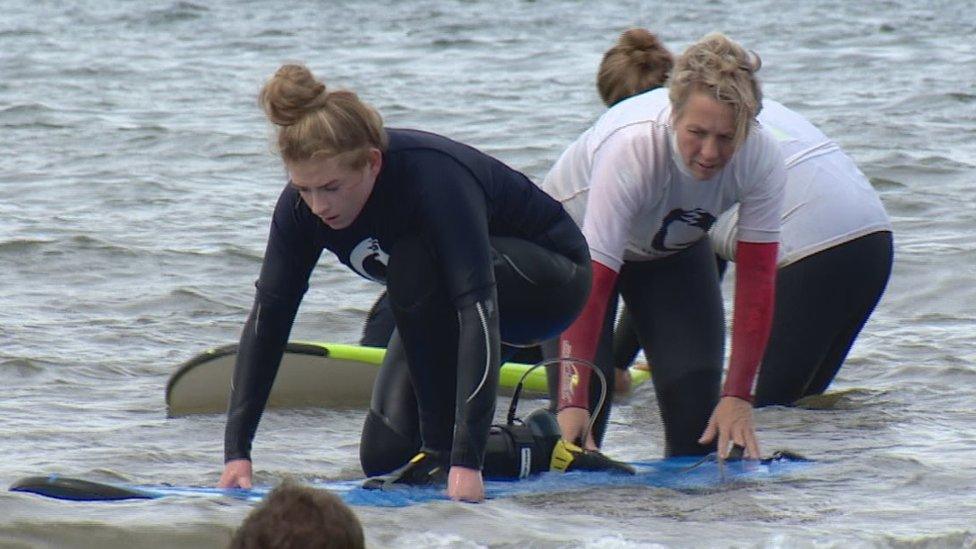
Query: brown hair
x=725 y=71
x=636 y=63
x=293 y=516
x=315 y=122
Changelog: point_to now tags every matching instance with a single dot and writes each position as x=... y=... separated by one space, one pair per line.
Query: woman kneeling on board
x=472 y=252
x=646 y=182
x=835 y=250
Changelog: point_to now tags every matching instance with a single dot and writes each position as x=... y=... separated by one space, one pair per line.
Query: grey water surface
x=136 y=187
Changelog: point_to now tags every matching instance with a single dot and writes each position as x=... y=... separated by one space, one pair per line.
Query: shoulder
x=289 y=206
x=415 y=150
x=761 y=147
x=649 y=110
x=293 y=225
x=417 y=142
x=638 y=124
x=403 y=139
x=759 y=164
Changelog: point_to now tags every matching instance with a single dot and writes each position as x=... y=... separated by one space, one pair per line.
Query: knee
x=382 y=448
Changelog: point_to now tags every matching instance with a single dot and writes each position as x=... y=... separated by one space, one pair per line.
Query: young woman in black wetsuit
x=473 y=254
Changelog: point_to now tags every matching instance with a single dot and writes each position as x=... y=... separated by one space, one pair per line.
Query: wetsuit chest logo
x=369 y=260
x=681 y=229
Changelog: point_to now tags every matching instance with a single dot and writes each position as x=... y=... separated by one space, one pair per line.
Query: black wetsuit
x=460 y=239
x=391 y=434
x=822 y=302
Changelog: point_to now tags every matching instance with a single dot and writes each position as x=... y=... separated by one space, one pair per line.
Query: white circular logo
x=369 y=260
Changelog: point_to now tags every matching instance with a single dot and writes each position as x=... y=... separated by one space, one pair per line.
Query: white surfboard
x=312 y=374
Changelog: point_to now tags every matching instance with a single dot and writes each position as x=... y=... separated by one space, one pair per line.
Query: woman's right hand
x=237 y=474
x=572 y=421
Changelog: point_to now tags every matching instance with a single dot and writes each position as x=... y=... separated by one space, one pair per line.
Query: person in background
x=836 y=246
x=293 y=516
x=472 y=253
x=646 y=182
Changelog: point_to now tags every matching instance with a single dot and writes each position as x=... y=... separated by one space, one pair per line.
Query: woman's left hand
x=732 y=422
x=465 y=484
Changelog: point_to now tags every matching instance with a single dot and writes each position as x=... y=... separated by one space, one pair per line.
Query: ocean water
x=136 y=187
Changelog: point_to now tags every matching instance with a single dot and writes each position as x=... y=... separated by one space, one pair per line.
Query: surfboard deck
x=688 y=474
x=313 y=374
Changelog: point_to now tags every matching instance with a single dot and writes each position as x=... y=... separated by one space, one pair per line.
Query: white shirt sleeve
x=763 y=180
x=619 y=187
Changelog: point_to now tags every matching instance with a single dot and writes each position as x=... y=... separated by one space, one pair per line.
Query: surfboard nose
x=75 y=489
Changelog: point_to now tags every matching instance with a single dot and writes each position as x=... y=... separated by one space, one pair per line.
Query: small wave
x=140 y=529
x=175 y=13
x=243 y=253
x=179 y=12
x=272 y=33
x=847 y=399
x=929 y=165
x=30 y=108
x=454 y=42
x=928 y=102
x=20 y=367
x=108 y=475
x=153 y=131
x=883 y=184
x=198 y=296
x=963 y=538
x=31 y=115
x=37 y=125
x=962 y=97
x=86 y=242
x=99 y=71
x=943 y=163
x=236 y=252
x=19 y=245
x=235 y=155
x=19 y=33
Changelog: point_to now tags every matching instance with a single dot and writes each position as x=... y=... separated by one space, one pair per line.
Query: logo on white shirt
x=682 y=228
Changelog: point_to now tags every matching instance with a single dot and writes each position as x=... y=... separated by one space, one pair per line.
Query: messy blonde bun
x=315 y=122
x=724 y=71
x=636 y=63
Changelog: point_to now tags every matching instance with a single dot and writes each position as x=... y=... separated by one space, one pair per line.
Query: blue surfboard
x=684 y=474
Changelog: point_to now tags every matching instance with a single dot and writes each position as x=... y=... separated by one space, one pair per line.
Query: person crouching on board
x=835 y=252
x=646 y=182
x=473 y=254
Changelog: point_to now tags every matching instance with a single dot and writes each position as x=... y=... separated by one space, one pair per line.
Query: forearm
x=259 y=355
x=755 y=288
x=479 y=346
x=580 y=340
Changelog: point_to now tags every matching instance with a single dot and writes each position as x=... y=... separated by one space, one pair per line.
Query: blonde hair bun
x=315 y=122
x=291 y=93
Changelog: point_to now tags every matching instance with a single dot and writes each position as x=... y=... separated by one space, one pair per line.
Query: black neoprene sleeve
x=280 y=287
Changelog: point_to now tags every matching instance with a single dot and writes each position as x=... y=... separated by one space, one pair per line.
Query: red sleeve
x=755 y=289
x=581 y=339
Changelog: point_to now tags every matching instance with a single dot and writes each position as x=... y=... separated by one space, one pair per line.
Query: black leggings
x=675 y=305
x=540 y=292
x=822 y=302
